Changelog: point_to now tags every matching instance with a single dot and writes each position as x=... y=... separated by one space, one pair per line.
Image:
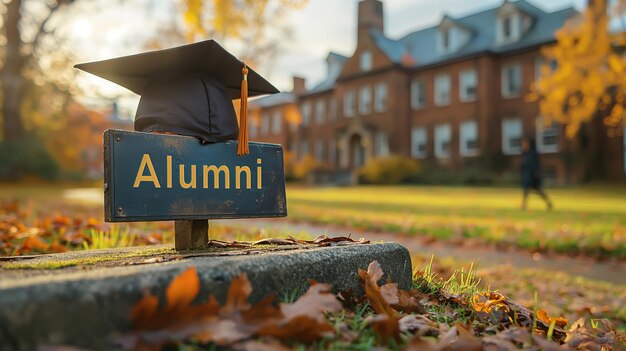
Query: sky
x=319 y=27
x=318 y=30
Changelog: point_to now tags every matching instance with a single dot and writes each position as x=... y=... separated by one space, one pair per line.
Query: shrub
x=303 y=167
x=26 y=157
x=389 y=170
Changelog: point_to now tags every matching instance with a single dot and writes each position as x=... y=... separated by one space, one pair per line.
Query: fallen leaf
x=372 y=291
x=542 y=315
x=384 y=325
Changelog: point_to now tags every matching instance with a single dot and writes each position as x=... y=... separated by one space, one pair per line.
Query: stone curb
x=82 y=308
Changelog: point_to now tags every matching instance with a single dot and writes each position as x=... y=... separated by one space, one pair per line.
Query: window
x=442 y=89
x=445 y=39
x=304 y=148
x=511 y=136
x=380 y=102
x=511 y=80
x=332 y=103
x=306 y=114
x=265 y=126
x=443 y=137
x=418 y=94
x=419 y=140
x=320 y=111
x=507 y=28
x=365 y=100
x=253 y=127
x=469 y=138
x=468 y=81
x=348 y=103
x=277 y=122
x=365 y=61
x=547 y=136
x=332 y=151
x=319 y=151
x=382 y=144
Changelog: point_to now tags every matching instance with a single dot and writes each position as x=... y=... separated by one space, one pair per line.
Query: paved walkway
x=614 y=272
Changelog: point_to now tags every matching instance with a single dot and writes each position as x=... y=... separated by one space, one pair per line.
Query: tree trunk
x=13 y=82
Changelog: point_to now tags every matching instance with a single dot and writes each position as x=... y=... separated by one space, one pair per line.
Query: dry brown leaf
x=317 y=300
x=386 y=326
x=34 y=243
x=459 y=339
x=372 y=291
x=542 y=315
x=417 y=343
x=417 y=324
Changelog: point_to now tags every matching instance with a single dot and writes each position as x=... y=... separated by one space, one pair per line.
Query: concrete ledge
x=81 y=308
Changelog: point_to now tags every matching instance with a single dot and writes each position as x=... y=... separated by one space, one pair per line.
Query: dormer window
x=511 y=24
x=365 y=61
x=445 y=39
x=507 y=31
x=452 y=36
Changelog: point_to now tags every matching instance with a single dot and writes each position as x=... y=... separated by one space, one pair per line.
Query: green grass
x=586 y=220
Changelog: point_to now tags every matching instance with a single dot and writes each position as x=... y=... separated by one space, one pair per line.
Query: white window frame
x=349 y=98
x=443 y=135
x=365 y=61
x=443 y=88
x=506 y=92
x=382 y=144
x=418 y=93
x=419 y=137
x=365 y=100
x=306 y=113
x=468 y=131
x=320 y=111
x=304 y=148
x=332 y=108
x=468 y=79
x=254 y=128
x=540 y=133
x=265 y=123
x=277 y=122
x=332 y=151
x=319 y=150
x=512 y=128
x=381 y=95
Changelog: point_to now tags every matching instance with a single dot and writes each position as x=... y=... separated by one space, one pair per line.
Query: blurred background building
x=453 y=96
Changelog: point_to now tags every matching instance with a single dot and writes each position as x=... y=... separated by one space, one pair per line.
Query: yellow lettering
x=259 y=173
x=146 y=161
x=169 y=172
x=192 y=183
x=239 y=170
x=216 y=176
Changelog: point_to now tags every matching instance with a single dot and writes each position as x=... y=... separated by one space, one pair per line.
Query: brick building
x=452 y=95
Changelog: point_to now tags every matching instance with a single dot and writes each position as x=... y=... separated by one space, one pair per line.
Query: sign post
x=161 y=177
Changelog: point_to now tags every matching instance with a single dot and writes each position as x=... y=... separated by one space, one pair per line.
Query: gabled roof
x=421 y=45
x=330 y=80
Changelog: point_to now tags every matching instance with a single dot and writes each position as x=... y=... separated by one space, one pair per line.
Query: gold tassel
x=242 y=148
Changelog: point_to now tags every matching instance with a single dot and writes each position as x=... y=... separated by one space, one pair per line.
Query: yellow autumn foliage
x=589 y=77
x=244 y=21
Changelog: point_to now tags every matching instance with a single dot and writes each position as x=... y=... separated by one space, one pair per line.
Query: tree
x=584 y=72
x=249 y=23
x=19 y=52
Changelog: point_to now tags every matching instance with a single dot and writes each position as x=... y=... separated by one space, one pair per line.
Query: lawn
x=588 y=220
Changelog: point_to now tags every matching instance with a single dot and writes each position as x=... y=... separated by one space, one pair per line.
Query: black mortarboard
x=187 y=90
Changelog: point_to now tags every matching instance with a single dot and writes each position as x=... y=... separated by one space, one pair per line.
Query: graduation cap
x=187 y=90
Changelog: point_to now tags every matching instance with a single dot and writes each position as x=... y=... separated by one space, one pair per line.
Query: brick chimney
x=298 y=85
x=370 y=16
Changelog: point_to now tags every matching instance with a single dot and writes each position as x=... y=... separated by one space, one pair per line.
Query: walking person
x=531 y=172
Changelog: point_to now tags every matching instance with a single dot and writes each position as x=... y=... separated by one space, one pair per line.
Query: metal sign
x=159 y=177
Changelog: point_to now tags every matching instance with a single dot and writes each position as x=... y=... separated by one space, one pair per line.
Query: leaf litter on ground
x=387 y=317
